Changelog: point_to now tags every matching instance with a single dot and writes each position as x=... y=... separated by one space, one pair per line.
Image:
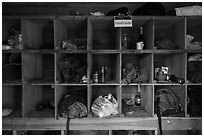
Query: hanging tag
x=122 y=21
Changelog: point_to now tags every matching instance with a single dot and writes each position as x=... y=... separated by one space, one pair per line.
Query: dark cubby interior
x=39 y=68
x=12 y=99
x=41 y=101
x=38 y=34
x=194 y=99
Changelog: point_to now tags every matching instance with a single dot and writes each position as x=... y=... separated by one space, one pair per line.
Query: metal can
x=95 y=77
x=103 y=75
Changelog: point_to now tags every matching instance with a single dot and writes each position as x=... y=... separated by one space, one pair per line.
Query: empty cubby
x=38 y=33
x=38 y=68
x=39 y=101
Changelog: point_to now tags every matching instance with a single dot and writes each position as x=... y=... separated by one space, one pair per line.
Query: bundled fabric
x=192 y=45
x=68 y=45
x=105 y=106
x=133 y=74
x=124 y=11
x=196 y=57
x=151 y=8
x=72 y=106
x=71 y=69
x=189 y=11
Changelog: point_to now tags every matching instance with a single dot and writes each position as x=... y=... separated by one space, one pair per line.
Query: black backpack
x=167 y=103
x=151 y=8
x=72 y=106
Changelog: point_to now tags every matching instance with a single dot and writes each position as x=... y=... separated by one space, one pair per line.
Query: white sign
x=122 y=21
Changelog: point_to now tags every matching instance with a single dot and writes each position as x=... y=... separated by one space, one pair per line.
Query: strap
x=157 y=111
x=68 y=123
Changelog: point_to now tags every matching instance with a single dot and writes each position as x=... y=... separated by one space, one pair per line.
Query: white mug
x=139 y=45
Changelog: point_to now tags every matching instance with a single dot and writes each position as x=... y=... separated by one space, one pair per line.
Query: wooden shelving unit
x=41 y=80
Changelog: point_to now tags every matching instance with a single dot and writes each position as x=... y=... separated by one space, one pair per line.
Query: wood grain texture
x=83 y=124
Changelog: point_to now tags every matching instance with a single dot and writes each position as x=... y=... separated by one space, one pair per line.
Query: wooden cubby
x=146 y=93
x=174 y=62
x=12 y=68
x=172 y=29
x=194 y=99
x=9 y=24
x=81 y=57
x=38 y=95
x=111 y=61
x=102 y=35
x=100 y=44
x=38 y=33
x=12 y=99
x=63 y=90
x=38 y=68
x=142 y=61
x=179 y=91
x=194 y=28
x=73 y=29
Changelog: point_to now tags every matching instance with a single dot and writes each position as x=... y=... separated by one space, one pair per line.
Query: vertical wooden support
x=110 y=132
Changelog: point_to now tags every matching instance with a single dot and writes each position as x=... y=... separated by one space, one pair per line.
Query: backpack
x=167 y=104
x=72 y=106
x=150 y=8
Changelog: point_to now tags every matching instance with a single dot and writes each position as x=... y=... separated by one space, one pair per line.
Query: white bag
x=189 y=11
x=105 y=106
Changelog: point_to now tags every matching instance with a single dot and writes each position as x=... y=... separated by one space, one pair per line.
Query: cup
x=139 y=45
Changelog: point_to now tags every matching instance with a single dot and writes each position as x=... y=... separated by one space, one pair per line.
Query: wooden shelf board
x=168 y=51
x=39 y=51
x=71 y=51
x=136 y=51
x=192 y=84
x=72 y=84
x=104 y=51
x=40 y=81
x=136 y=84
x=172 y=84
x=12 y=83
x=181 y=123
x=104 y=84
x=12 y=51
x=106 y=123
